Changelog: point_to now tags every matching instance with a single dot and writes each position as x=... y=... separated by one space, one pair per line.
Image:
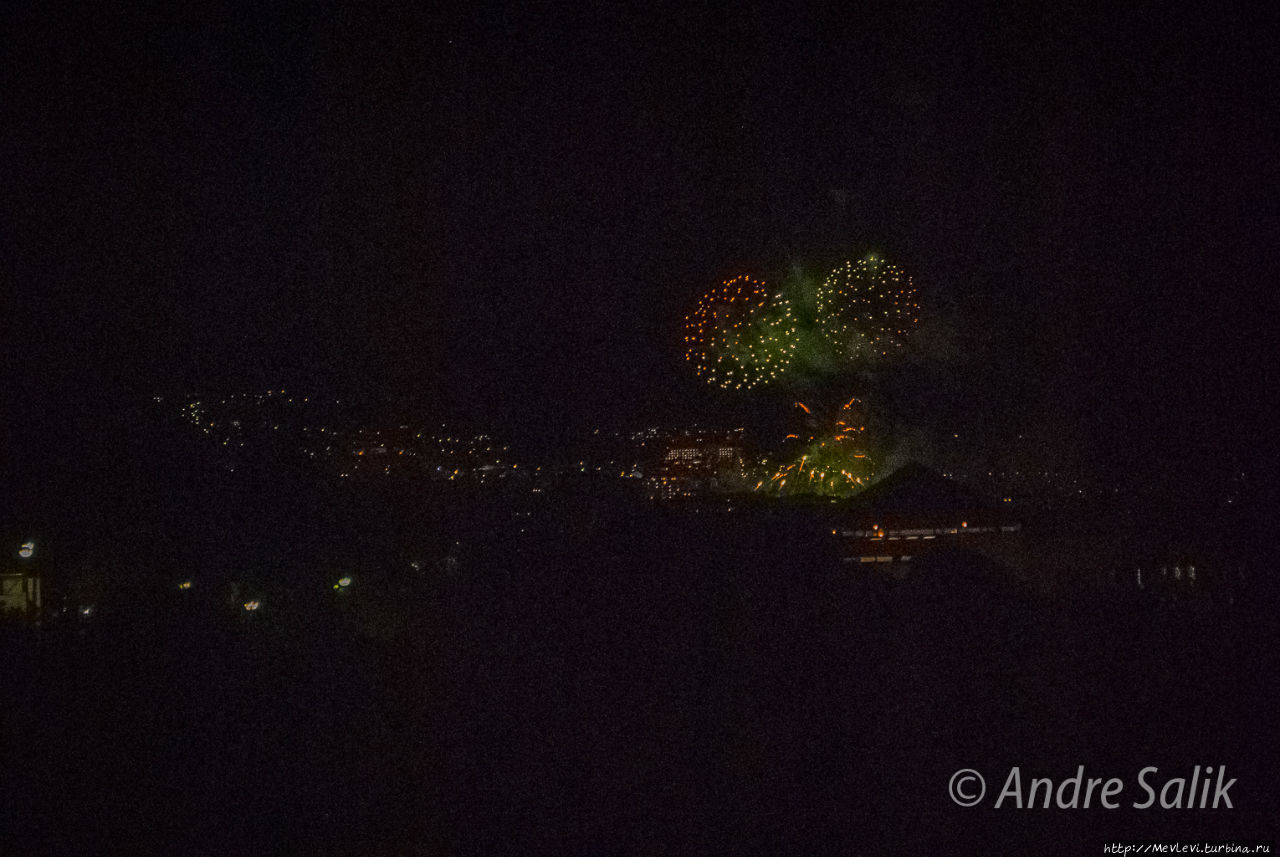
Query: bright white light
x=344 y=582
x=252 y=605
x=27 y=549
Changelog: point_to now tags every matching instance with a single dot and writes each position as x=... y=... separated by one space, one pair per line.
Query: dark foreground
x=670 y=687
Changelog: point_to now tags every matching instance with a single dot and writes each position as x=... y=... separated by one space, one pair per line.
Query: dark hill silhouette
x=916 y=489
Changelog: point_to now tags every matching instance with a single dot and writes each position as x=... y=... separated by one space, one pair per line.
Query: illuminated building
x=20 y=594
x=20 y=586
x=917 y=516
x=916 y=511
x=697 y=463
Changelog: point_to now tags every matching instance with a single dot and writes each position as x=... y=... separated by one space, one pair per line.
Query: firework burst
x=867 y=309
x=740 y=335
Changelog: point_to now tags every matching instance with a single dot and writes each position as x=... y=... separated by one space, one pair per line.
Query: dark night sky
x=504 y=213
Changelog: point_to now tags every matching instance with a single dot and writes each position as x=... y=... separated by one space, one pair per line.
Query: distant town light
x=252 y=605
x=186 y=584
x=27 y=549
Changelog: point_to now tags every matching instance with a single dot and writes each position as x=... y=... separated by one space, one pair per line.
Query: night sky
x=502 y=214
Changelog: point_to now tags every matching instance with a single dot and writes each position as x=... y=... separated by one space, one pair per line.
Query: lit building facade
x=695 y=463
x=915 y=512
x=21 y=596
